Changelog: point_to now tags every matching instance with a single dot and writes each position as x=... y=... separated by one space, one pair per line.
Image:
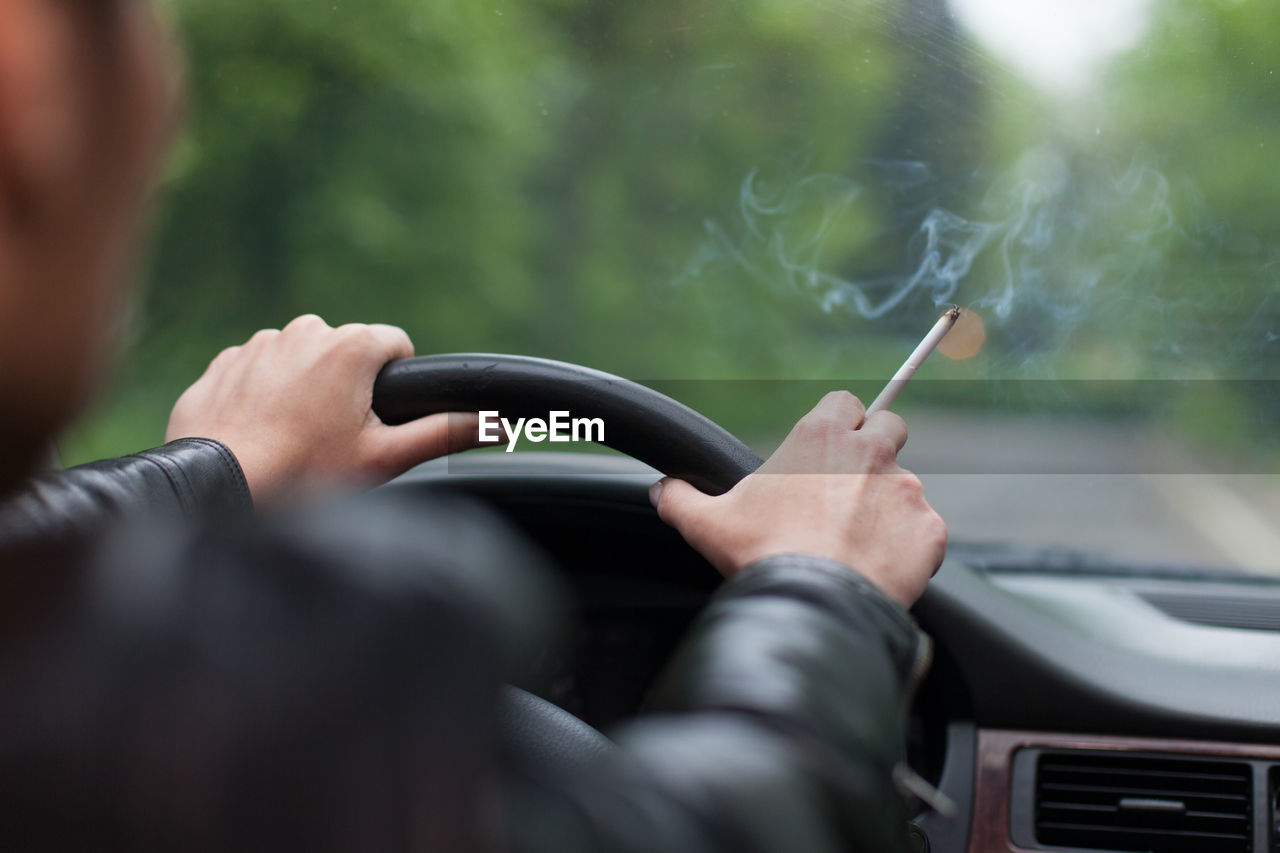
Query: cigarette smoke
x=1048 y=251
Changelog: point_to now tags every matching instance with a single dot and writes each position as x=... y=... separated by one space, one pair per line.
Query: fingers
x=377 y=340
x=306 y=323
x=839 y=407
x=372 y=346
x=389 y=342
x=676 y=501
x=886 y=425
x=409 y=444
x=369 y=345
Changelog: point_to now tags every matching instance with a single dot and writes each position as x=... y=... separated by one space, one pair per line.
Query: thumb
x=675 y=500
x=406 y=445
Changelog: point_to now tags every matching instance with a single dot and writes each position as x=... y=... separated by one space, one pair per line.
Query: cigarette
x=913 y=362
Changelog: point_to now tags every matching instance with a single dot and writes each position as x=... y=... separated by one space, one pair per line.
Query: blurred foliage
x=678 y=189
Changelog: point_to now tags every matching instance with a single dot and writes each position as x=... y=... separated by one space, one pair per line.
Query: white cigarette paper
x=913 y=362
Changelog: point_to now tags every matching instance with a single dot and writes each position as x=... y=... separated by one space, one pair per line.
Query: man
x=179 y=675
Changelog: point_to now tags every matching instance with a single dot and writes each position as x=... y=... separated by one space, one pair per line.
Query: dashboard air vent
x=1100 y=801
x=1222 y=611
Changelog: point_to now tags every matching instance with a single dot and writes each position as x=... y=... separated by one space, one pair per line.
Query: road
x=1123 y=490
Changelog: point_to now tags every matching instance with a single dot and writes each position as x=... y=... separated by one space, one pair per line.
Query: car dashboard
x=1069 y=707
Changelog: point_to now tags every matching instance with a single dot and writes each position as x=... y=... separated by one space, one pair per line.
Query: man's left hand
x=294 y=406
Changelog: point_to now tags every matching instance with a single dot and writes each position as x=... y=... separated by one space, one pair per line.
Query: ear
x=38 y=92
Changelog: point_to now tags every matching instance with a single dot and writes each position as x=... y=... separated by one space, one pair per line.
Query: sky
x=1058 y=45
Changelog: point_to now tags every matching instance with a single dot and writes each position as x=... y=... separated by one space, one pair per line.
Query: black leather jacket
x=194 y=678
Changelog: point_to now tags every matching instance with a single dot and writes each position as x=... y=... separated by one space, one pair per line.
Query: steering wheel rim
x=639 y=421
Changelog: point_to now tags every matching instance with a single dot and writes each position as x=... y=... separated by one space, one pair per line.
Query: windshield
x=747 y=204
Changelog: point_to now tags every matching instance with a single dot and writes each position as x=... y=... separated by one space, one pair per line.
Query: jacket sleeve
x=187 y=478
x=777 y=727
x=329 y=681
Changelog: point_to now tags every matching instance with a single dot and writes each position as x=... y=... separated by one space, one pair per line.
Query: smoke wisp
x=1046 y=249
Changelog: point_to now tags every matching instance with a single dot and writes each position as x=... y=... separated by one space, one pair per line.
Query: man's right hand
x=833 y=489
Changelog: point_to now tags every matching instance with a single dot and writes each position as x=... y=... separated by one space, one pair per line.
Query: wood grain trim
x=994 y=763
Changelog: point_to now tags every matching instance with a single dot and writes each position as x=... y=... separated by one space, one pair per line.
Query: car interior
x=741 y=206
x=1079 y=708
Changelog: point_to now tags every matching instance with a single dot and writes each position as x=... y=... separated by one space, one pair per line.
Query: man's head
x=85 y=105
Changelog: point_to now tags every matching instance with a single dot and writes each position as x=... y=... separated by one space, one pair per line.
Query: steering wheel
x=639 y=422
